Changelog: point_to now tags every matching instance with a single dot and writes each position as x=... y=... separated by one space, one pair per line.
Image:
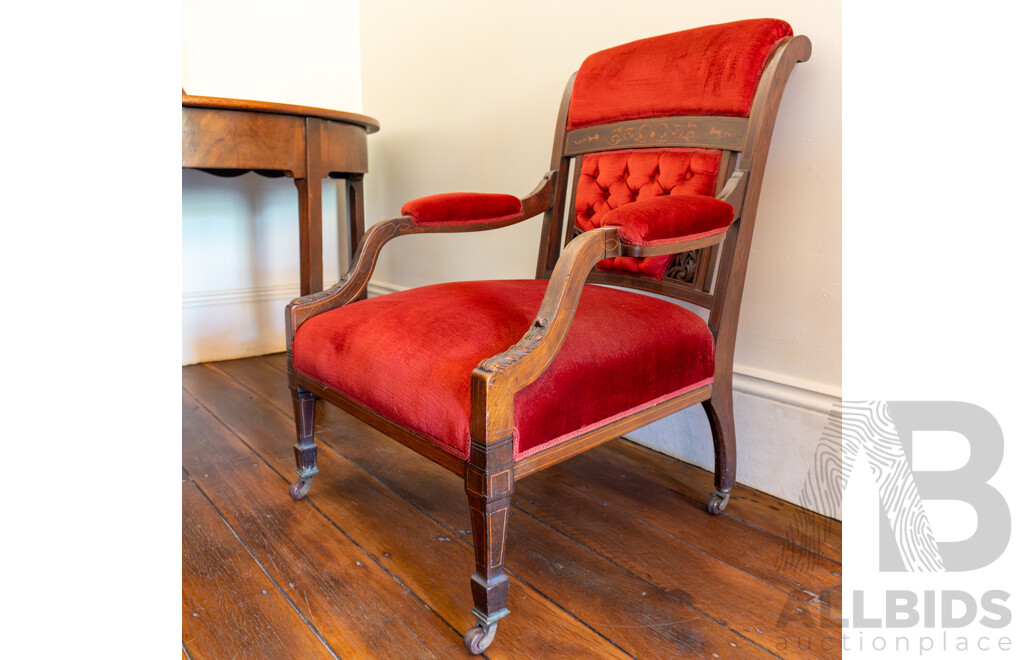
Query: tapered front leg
x=304 y=406
x=489 y=488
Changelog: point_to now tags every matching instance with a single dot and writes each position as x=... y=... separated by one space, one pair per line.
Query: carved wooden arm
x=353 y=283
x=496 y=380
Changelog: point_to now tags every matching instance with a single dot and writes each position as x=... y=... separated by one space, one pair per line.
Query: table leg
x=356 y=217
x=311 y=248
x=311 y=259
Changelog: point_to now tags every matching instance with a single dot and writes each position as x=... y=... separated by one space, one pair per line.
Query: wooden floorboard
x=352 y=601
x=759 y=553
x=414 y=548
x=746 y=504
x=627 y=609
x=229 y=605
x=610 y=553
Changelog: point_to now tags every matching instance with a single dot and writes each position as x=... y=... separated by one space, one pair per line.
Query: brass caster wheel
x=479 y=638
x=716 y=505
x=299 y=489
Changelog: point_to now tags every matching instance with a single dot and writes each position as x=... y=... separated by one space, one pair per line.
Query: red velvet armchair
x=659 y=149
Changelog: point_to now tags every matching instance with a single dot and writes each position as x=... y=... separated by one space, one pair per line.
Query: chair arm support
x=353 y=283
x=496 y=380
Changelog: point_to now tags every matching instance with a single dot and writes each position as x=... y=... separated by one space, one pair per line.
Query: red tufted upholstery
x=711 y=70
x=462 y=208
x=421 y=379
x=613 y=178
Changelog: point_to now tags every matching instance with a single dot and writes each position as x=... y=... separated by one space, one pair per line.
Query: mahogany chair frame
x=490 y=472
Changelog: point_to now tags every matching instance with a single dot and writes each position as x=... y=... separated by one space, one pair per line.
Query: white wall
x=467 y=93
x=240 y=254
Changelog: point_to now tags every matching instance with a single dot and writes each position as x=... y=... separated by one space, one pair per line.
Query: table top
x=189 y=101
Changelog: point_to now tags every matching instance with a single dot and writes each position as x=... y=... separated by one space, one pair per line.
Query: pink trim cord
x=666 y=241
x=516 y=455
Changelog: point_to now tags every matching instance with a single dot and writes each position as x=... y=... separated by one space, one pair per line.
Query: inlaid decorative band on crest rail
x=726 y=133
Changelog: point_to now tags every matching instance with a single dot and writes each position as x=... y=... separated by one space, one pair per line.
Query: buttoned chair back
x=686 y=113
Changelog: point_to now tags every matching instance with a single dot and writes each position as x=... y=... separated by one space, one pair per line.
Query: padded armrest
x=669 y=219
x=462 y=209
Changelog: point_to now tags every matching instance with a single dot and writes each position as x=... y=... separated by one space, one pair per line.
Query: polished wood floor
x=611 y=553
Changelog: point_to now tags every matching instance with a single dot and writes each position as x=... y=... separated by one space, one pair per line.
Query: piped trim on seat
x=688 y=237
x=517 y=455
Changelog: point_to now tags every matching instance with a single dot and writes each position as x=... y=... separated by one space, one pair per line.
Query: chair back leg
x=723 y=432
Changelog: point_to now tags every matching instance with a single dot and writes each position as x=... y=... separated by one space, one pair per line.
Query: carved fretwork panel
x=684 y=267
x=694 y=268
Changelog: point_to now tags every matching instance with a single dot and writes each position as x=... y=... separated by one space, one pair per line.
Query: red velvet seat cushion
x=667 y=219
x=408 y=356
x=462 y=208
x=712 y=70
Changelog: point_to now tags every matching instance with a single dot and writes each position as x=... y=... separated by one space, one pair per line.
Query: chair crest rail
x=726 y=133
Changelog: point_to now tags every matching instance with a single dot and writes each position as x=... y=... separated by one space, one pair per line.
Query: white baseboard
x=778 y=429
x=281 y=292
x=773 y=387
x=234 y=323
x=378 y=288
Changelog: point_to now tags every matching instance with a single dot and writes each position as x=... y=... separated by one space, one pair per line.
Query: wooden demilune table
x=229 y=137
